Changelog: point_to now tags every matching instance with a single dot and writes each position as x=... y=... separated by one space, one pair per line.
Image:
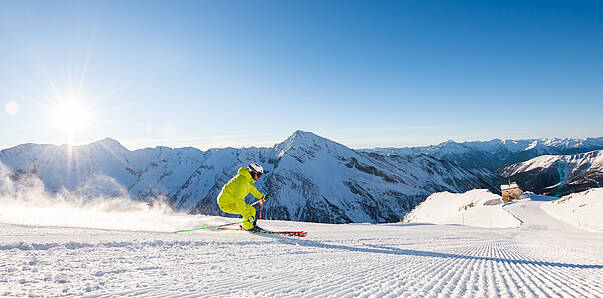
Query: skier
x=232 y=197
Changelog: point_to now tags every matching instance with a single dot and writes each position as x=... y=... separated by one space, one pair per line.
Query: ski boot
x=255 y=229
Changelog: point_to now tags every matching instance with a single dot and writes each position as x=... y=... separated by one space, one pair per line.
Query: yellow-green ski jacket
x=234 y=192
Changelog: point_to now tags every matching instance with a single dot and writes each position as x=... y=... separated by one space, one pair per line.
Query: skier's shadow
x=431 y=254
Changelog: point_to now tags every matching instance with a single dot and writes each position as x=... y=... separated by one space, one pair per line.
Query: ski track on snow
x=542 y=258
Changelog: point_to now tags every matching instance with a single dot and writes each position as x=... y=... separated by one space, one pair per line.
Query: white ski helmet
x=255 y=168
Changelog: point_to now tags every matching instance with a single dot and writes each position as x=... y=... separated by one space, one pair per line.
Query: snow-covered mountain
x=105 y=168
x=558 y=174
x=309 y=178
x=497 y=153
x=477 y=208
x=315 y=179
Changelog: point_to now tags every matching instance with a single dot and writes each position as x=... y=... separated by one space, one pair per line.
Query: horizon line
x=173 y=144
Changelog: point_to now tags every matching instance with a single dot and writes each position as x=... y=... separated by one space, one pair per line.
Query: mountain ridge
x=311 y=178
x=497 y=153
x=558 y=174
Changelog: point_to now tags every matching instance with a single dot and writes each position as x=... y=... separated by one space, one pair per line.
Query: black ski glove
x=265 y=198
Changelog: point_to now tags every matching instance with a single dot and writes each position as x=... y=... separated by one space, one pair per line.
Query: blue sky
x=250 y=73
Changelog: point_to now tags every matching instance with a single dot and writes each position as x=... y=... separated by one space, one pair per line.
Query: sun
x=71 y=116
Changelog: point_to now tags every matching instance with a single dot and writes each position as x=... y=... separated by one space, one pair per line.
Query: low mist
x=24 y=201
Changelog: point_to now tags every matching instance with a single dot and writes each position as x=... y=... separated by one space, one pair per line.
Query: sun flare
x=71 y=116
x=11 y=108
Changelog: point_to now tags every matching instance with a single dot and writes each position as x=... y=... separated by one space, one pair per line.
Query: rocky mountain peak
x=108 y=142
x=308 y=142
x=105 y=145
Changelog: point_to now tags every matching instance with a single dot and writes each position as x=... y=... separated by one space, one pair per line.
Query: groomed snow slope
x=543 y=257
x=583 y=209
x=477 y=208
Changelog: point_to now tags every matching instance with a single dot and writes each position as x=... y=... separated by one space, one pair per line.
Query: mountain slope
x=558 y=174
x=314 y=179
x=477 y=208
x=98 y=167
x=48 y=255
x=582 y=209
x=105 y=168
x=310 y=178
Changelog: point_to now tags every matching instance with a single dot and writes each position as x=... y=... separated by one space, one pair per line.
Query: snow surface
x=583 y=210
x=543 y=257
x=477 y=208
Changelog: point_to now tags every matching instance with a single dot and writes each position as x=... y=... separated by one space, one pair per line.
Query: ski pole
x=261 y=204
x=257 y=202
x=212 y=227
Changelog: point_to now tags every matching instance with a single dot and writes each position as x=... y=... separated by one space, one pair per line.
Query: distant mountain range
x=309 y=178
x=496 y=154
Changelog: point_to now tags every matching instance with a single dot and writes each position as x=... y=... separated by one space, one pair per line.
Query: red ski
x=288 y=233
x=264 y=231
